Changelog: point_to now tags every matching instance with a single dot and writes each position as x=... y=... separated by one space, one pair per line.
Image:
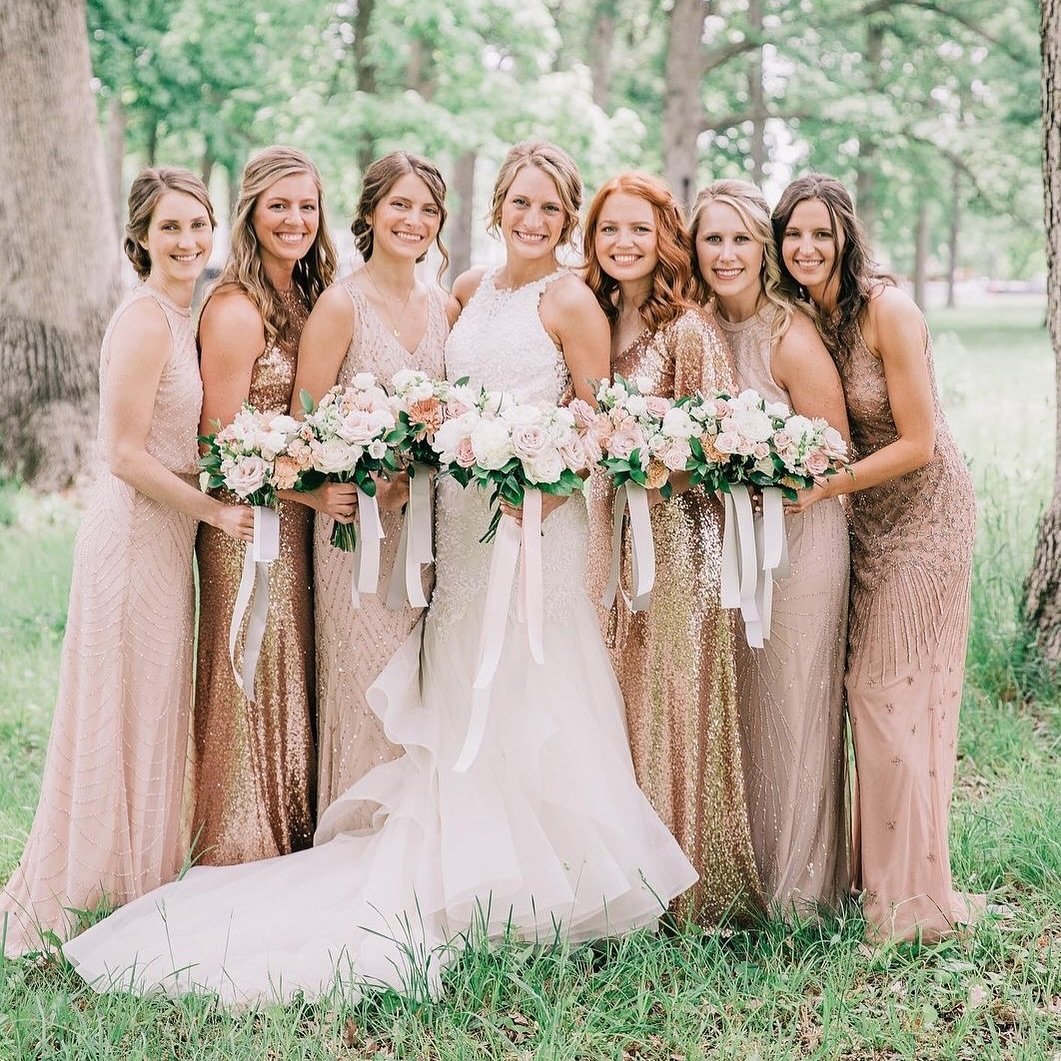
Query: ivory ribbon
x=513 y=545
x=740 y=569
x=406 y=589
x=772 y=545
x=254 y=592
x=365 y=577
x=642 y=548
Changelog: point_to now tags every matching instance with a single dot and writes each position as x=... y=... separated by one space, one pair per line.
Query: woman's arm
x=140 y=347
x=801 y=365
x=573 y=318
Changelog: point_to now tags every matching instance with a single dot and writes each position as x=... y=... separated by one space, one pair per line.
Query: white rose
x=491 y=444
x=547 y=467
x=799 y=428
x=247 y=476
x=363 y=381
x=636 y=405
x=778 y=409
x=407 y=377
x=271 y=443
x=753 y=424
x=522 y=414
x=335 y=455
x=678 y=423
x=285 y=423
x=643 y=384
x=377 y=449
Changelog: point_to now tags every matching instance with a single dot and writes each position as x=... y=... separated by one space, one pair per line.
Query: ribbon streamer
x=415 y=547
x=253 y=592
x=642 y=548
x=365 y=576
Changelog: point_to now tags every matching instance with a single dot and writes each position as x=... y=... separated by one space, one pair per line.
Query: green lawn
x=815 y=991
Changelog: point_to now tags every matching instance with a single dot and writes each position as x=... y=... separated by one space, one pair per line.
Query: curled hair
x=672 y=277
x=245 y=268
x=857 y=274
x=556 y=164
x=149 y=185
x=378 y=180
x=751 y=206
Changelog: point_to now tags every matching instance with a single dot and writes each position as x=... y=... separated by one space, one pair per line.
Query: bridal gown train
x=546 y=834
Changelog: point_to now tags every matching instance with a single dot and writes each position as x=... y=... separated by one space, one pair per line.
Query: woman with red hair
x=674 y=660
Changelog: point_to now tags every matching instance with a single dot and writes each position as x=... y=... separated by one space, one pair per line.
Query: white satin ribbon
x=513 y=545
x=365 y=577
x=642 y=548
x=253 y=592
x=415 y=548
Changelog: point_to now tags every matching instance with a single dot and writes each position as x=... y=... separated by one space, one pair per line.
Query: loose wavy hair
x=754 y=212
x=245 y=269
x=149 y=185
x=857 y=274
x=556 y=164
x=378 y=180
x=672 y=279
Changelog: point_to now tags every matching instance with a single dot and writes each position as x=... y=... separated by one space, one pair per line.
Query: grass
x=773 y=992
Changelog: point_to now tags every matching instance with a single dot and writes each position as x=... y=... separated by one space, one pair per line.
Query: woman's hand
x=392 y=493
x=550 y=503
x=237 y=521
x=338 y=500
x=805 y=498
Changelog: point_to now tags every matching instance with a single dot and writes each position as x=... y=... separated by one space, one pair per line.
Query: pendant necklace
x=395 y=329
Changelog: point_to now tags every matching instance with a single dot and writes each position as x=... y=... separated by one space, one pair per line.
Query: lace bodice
x=499 y=342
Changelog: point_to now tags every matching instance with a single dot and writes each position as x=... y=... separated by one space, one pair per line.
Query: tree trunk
x=59 y=269
x=116 y=159
x=757 y=95
x=601 y=47
x=1043 y=602
x=460 y=253
x=365 y=72
x=955 y=232
x=866 y=183
x=921 y=254
x=682 y=105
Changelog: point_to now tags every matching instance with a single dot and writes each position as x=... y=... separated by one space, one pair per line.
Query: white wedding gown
x=546 y=835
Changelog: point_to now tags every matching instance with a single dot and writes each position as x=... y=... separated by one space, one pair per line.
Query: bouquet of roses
x=250 y=456
x=350 y=434
x=507 y=447
x=422 y=405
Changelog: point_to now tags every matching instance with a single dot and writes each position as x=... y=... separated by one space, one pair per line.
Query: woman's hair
x=244 y=268
x=149 y=185
x=752 y=208
x=378 y=180
x=672 y=278
x=556 y=164
x=854 y=267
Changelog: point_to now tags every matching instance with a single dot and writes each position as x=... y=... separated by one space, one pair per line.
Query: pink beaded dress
x=911 y=560
x=108 y=824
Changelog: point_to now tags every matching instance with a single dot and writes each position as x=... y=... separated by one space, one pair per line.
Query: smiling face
x=729 y=255
x=286 y=218
x=406 y=219
x=626 y=239
x=532 y=215
x=808 y=248
x=179 y=238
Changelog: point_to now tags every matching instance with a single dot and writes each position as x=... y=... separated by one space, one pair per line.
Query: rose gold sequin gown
x=791 y=693
x=108 y=822
x=674 y=661
x=354 y=646
x=255 y=775
x=911 y=559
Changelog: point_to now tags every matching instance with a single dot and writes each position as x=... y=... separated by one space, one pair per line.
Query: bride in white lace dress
x=547 y=833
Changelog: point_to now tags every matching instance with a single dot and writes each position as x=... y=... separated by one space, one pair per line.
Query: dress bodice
x=273 y=377
x=750 y=343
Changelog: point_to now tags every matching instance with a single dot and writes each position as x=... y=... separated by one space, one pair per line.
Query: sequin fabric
x=354 y=646
x=911 y=560
x=255 y=778
x=108 y=820
x=791 y=692
x=674 y=661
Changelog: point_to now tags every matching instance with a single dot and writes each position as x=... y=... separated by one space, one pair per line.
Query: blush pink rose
x=817 y=462
x=657 y=407
x=465 y=452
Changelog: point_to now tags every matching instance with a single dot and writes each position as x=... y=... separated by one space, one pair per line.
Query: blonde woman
x=107 y=826
x=256 y=763
x=791 y=693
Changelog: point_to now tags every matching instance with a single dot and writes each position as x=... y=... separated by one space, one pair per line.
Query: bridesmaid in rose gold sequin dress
x=913 y=520
x=358 y=325
x=674 y=661
x=255 y=763
x=107 y=827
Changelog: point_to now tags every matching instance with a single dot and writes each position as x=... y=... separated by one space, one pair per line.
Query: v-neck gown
x=354 y=646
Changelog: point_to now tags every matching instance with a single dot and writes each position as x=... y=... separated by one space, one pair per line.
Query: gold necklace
x=396 y=329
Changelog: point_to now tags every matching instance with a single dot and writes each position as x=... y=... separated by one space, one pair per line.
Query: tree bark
x=757 y=95
x=1043 y=600
x=955 y=233
x=460 y=252
x=116 y=158
x=682 y=104
x=921 y=254
x=59 y=269
x=866 y=181
x=365 y=72
x=601 y=48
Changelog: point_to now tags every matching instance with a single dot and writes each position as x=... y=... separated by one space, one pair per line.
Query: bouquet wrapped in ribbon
x=748 y=442
x=517 y=452
x=639 y=440
x=251 y=459
x=350 y=435
x=422 y=405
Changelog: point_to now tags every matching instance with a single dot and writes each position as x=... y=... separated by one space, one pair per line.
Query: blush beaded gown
x=546 y=835
x=108 y=824
x=911 y=559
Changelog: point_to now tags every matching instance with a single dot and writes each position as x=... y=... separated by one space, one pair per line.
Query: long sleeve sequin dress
x=354 y=646
x=107 y=825
x=255 y=777
x=911 y=559
x=675 y=660
x=791 y=692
